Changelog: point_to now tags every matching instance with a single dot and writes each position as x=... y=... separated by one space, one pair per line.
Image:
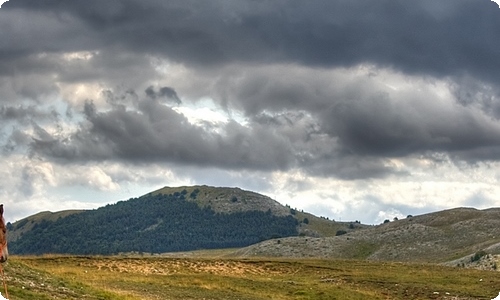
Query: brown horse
x=4 y=252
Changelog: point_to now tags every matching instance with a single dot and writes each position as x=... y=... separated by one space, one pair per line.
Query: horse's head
x=4 y=252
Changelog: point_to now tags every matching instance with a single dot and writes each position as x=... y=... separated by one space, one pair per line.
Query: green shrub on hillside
x=477 y=256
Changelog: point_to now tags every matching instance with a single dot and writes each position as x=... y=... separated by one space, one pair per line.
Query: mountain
x=458 y=236
x=187 y=218
x=166 y=220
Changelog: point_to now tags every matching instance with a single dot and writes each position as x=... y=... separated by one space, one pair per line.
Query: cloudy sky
x=354 y=110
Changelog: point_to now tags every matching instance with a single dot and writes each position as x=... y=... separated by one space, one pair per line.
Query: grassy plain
x=204 y=277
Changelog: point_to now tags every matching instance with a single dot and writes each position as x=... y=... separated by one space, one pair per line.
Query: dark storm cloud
x=347 y=129
x=379 y=125
x=318 y=153
x=443 y=39
x=166 y=92
x=365 y=117
x=157 y=133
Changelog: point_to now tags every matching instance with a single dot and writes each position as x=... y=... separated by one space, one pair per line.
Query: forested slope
x=153 y=223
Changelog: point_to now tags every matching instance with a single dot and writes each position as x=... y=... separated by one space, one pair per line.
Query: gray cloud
x=364 y=116
x=383 y=126
x=347 y=129
x=444 y=39
x=166 y=92
x=155 y=132
x=272 y=61
x=27 y=113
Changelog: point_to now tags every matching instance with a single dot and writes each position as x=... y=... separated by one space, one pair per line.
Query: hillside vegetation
x=168 y=219
x=153 y=224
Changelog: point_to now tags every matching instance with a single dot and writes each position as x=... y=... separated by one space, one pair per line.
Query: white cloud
x=203 y=112
x=427 y=189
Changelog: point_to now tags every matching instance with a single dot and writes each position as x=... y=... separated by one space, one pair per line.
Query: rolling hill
x=455 y=235
x=166 y=220
x=174 y=219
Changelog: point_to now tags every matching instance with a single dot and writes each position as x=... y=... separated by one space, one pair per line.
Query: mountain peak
x=226 y=199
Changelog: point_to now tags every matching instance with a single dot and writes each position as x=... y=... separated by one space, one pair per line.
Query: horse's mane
x=4 y=253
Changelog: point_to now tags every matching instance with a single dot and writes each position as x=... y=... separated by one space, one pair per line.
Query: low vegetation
x=130 y=278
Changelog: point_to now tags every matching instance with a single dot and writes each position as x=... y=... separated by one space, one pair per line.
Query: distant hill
x=17 y=229
x=166 y=220
x=451 y=235
x=174 y=219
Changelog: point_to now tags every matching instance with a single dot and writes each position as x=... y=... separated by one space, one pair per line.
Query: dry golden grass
x=78 y=277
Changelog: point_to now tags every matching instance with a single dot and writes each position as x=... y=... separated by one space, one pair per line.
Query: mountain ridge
x=168 y=219
x=458 y=236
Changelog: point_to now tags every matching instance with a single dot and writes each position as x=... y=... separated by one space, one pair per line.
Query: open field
x=88 y=277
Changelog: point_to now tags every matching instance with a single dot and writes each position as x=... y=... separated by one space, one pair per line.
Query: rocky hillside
x=456 y=234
